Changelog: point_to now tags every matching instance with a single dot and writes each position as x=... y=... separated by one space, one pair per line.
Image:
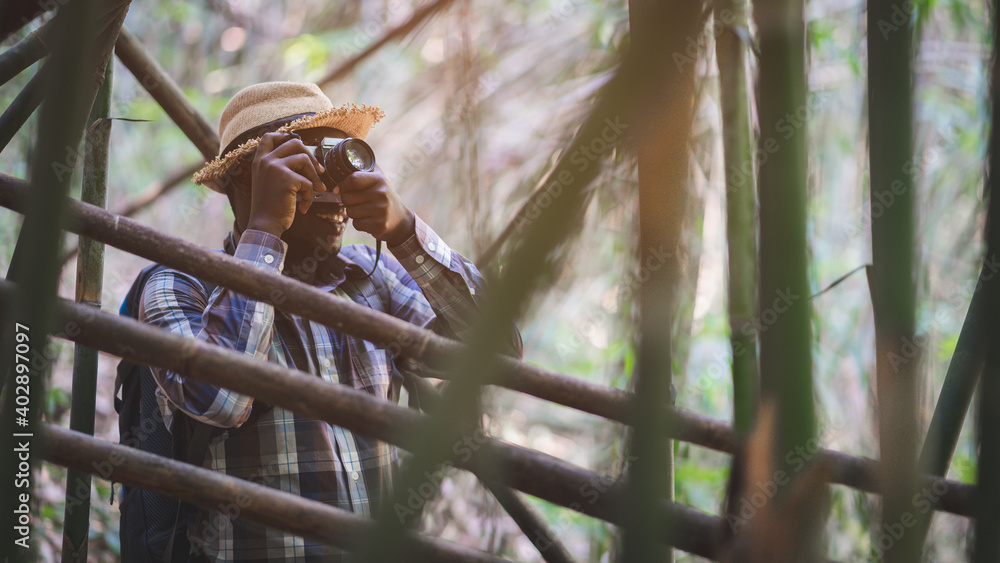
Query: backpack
x=153 y=526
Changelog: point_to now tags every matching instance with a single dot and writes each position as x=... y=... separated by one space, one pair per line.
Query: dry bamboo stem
x=395 y=33
x=987 y=541
x=531 y=523
x=532 y=472
x=158 y=190
x=165 y=91
x=313 y=304
x=14 y=60
x=25 y=104
x=213 y=491
x=609 y=403
x=152 y=194
x=526 y=518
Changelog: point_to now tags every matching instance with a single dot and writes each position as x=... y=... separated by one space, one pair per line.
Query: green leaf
x=946 y=348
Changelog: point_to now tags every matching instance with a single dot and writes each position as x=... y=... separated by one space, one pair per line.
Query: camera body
x=341 y=158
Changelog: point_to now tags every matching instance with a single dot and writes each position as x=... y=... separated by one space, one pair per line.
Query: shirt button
x=420 y=259
x=268 y=258
x=355 y=476
x=472 y=290
x=430 y=246
x=325 y=362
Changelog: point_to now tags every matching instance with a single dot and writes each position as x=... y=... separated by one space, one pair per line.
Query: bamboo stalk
x=24 y=104
x=89 y=285
x=393 y=34
x=958 y=388
x=155 y=191
x=81 y=30
x=891 y=278
x=167 y=93
x=956 y=394
x=531 y=523
x=529 y=262
x=741 y=209
x=211 y=490
x=149 y=196
x=526 y=518
x=27 y=52
x=561 y=389
x=315 y=305
x=664 y=101
x=785 y=347
x=987 y=542
x=532 y=472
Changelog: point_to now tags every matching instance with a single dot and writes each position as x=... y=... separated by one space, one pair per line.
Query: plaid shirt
x=428 y=284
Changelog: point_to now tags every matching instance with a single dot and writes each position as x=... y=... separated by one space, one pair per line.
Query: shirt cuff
x=261 y=249
x=422 y=245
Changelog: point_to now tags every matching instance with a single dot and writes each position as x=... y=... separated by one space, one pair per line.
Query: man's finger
x=304 y=191
x=305 y=165
x=357 y=181
x=364 y=211
x=268 y=142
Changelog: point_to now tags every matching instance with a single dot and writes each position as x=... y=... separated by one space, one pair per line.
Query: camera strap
x=378 y=254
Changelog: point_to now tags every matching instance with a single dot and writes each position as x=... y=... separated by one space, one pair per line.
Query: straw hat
x=290 y=106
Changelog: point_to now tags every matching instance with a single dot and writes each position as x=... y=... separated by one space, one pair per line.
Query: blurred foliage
x=514 y=79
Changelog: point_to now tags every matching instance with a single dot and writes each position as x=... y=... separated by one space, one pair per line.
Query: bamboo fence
x=643 y=504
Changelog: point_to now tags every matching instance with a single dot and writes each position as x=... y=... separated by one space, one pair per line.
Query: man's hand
x=282 y=169
x=375 y=207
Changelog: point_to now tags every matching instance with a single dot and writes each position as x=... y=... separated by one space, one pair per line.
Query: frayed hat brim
x=352 y=119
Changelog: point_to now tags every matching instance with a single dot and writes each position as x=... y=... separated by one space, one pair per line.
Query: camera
x=340 y=157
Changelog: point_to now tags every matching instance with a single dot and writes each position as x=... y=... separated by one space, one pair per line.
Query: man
x=271 y=180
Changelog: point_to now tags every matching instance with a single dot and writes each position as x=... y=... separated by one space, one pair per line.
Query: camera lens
x=358 y=154
x=343 y=157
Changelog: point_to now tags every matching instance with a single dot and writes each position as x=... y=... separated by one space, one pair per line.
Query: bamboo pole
x=987 y=542
x=27 y=52
x=741 y=208
x=541 y=536
x=155 y=191
x=397 y=32
x=785 y=347
x=167 y=93
x=24 y=104
x=532 y=472
x=89 y=285
x=211 y=490
x=891 y=278
x=561 y=389
x=83 y=33
x=662 y=115
x=527 y=519
x=529 y=262
x=153 y=78
x=959 y=386
x=315 y=305
x=149 y=196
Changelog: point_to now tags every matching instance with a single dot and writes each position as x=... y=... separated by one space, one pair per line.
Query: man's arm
x=177 y=302
x=445 y=280
x=450 y=283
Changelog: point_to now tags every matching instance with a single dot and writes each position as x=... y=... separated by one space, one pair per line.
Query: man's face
x=322 y=227
x=317 y=232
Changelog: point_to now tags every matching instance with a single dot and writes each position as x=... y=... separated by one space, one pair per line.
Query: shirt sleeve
x=177 y=302
x=450 y=283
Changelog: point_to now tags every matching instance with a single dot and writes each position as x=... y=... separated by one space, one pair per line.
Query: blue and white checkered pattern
x=427 y=284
